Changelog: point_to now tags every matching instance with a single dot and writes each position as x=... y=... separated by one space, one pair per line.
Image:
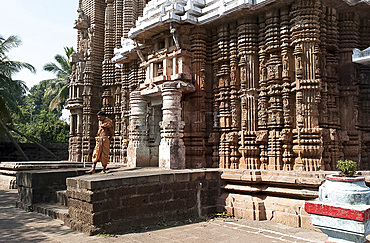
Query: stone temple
x=239 y=106
x=238 y=84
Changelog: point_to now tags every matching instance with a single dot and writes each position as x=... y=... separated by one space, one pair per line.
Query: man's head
x=101 y=115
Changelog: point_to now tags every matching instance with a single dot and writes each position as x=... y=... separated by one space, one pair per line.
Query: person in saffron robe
x=103 y=137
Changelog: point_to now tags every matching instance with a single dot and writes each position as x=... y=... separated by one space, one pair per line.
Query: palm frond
x=57 y=89
x=68 y=51
x=7 y=44
x=9 y=68
x=51 y=67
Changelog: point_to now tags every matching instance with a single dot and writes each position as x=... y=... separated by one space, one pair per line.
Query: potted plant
x=345 y=188
x=347 y=168
x=343 y=207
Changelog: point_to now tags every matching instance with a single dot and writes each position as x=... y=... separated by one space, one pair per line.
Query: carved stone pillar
x=138 y=150
x=90 y=107
x=305 y=39
x=349 y=91
x=125 y=111
x=363 y=74
x=171 y=148
x=248 y=69
x=194 y=105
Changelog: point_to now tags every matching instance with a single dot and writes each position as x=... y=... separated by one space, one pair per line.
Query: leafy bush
x=347 y=167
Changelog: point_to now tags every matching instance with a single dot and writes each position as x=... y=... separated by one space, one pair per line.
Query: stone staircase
x=57 y=209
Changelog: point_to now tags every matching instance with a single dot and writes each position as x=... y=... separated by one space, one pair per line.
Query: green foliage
x=37 y=121
x=58 y=87
x=30 y=113
x=347 y=167
x=105 y=235
x=224 y=215
x=45 y=127
x=10 y=90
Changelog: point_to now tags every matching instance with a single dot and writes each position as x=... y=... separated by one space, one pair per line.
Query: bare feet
x=104 y=170
x=92 y=171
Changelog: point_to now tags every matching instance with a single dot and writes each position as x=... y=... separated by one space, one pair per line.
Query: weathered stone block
x=77 y=214
x=24 y=179
x=306 y=222
x=149 y=189
x=167 y=178
x=175 y=204
x=148 y=179
x=212 y=175
x=292 y=220
x=190 y=194
x=98 y=196
x=124 y=213
x=163 y=196
x=71 y=182
x=81 y=205
x=215 y=184
x=197 y=176
x=175 y=186
x=81 y=194
x=119 y=192
x=135 y=200
x=100 y=218
x=231 y=175
x=182 y=177
x=245 y=213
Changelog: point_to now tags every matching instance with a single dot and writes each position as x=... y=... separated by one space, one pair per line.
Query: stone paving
x=17 y=225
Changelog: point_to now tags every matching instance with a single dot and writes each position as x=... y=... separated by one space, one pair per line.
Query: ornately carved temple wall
x=229 y=84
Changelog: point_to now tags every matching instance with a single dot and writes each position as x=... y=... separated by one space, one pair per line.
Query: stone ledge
x=138 y=176
x=268 y=190
x=303 y=178
x=37 y=165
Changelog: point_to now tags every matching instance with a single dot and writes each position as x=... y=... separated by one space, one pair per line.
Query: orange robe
x=101 y=150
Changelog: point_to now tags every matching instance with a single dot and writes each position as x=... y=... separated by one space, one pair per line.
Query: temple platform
x=127 y=199
x=8 y=170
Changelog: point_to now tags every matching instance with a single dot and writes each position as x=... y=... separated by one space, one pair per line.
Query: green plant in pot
x=347 y=168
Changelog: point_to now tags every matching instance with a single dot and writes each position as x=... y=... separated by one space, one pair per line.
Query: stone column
x=79 y=122
x=138 y=150
x=171 y=148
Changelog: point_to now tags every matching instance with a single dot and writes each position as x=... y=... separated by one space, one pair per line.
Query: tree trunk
x=32 y=140
x=13 y=140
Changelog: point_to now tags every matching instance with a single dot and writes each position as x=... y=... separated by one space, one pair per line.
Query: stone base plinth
x=270 y=195
x=172 y=155
x=138 y=156
x=134 y=199
x=342 y=223
x=342 y=210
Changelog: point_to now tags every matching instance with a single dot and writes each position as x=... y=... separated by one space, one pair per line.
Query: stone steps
x=62 y=198
x=56 y=210
x=53 y=210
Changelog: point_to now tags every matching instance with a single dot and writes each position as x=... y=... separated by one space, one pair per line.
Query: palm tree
x=58 y=87
x=10 y=90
